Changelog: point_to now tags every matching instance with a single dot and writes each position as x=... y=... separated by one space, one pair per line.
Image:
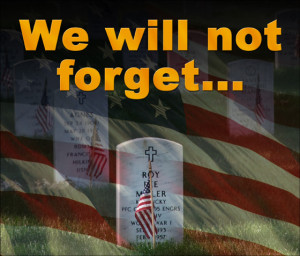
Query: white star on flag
x=116 y=100
x=73 y=91
x=135 y=25
x=77 y=21
x=149 y=63
x=44 y=63
x=14 y=35
x=23 y=82
x=107 y=52
x=160 y=109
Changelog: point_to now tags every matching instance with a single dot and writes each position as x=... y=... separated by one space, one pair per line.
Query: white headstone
x=197 y=51
x=81 y=126
x=11 y=52
x=289 y=22
x=35 y=82
x=167 y=183
x=254 y=106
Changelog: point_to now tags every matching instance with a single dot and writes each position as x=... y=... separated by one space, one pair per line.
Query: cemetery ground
x=27 y=236
x=32 y=241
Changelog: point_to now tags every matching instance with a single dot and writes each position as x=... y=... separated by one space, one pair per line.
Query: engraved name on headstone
x=81 y=136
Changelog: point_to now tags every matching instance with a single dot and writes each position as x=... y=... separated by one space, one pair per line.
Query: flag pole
x=152 y=210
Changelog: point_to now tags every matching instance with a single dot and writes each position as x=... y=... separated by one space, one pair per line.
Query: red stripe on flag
x=201 y=122
x=143 y=223
x=147 y=214
x=247 y=194
x=11 y=147
x=57 y=212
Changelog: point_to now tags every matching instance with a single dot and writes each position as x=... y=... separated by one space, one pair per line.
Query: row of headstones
x=32 y=78
x=36 y=84
x=77 y=120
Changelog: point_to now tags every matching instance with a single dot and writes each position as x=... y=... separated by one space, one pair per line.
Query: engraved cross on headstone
x=150 y=152
x=81 y=97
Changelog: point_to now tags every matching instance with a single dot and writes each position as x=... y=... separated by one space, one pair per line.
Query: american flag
x=7 y=76
x=44 y=113
x=98 y=158
x=241 y=193
x=143 y=212
x=259 y=111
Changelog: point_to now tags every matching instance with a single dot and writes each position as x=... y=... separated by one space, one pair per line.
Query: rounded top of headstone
x=147 y=139
x=248 y=61
x=288 y=12
x=148 y=146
